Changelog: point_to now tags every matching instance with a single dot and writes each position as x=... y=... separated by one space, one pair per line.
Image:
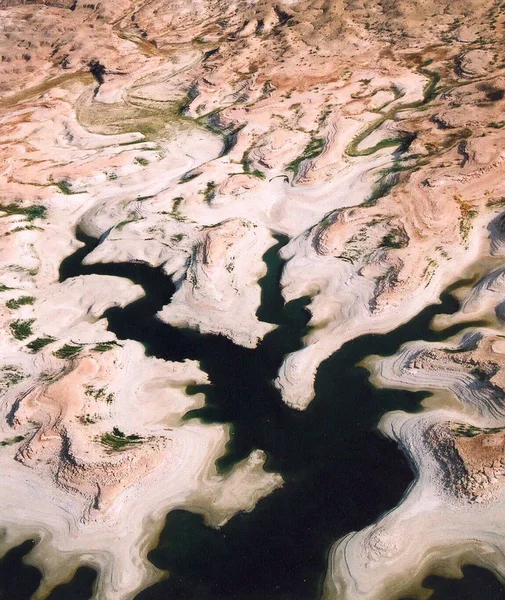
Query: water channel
x=340 y=474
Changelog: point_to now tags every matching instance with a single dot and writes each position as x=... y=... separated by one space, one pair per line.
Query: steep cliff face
x=185 y=136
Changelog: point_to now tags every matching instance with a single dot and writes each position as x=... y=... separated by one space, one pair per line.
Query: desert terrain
x=364 y=143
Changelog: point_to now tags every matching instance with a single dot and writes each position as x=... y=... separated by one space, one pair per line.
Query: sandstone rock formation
x=186 y=135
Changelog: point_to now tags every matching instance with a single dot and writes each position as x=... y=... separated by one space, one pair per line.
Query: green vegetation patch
x=25 y=228
x=209 y=192
x=87 y=419
x=22 y=328
x=465 y=223
x=15 y=303
x=395 y=239
x=386 y=182
x=116 y=440
x=11 y=441
x=140 y=160
x=31 y=213
x=189 y=176
x=39 y=343
x=467 y=430
x=105 y=346
x=175 y=213
x=99 y=394
x=311 y=150
x=64 y=187
x=453 y=138
x=68 y=351
x=10 y=375
x=403 y=140
x=257 y=173
x=384 y=282
x=246 y=165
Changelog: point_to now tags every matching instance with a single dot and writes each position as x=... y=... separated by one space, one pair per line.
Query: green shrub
x=22 y=328
x=311 y=150
x=11 y=441
x=209 y=192
x=68 y=351
x=175 y=213
x=39 y=343
x=393 y=239
x=64 y=187
x=10 y=375
x=467 y=430
x=246 y=164
x=189 y=176
x=37 y=211
x=116 y=440
x=86 y=419
x=99 y=394
x=14 y=304
x=105 y=346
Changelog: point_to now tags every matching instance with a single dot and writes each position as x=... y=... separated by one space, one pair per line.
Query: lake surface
x=340 y=474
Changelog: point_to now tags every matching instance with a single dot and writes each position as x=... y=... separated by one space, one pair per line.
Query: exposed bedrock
x=373 y=267
x=73 y=458
x=186 y=136
x=452 y=514
x=227 y=257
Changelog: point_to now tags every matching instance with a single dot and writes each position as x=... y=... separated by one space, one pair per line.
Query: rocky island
x=227 y=230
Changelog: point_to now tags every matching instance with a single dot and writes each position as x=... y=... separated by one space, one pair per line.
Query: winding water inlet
x=340 y=475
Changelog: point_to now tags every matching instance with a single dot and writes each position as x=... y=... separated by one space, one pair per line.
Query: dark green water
x=477 y=584
x=340 y=474
x=19 y=581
